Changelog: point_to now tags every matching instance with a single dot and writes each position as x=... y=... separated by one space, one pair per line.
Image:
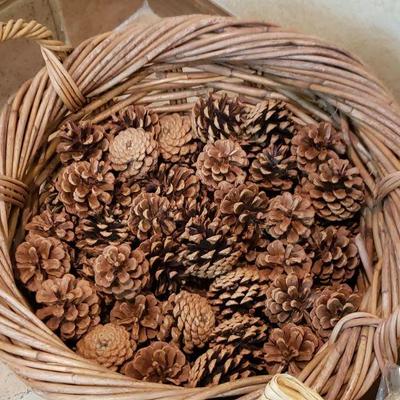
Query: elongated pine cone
x=290 y=217
x=121 y=272
x=160 y=362
x=108 y=345
x=188 y=319
x=221 y=161
x=290 y=348
x=40 y=258
x=332 y=304
x=69 y=306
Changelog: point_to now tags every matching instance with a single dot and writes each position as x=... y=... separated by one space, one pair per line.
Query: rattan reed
x=165 y=66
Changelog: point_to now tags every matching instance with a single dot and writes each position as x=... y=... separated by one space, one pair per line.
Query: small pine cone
x=134 y=152
x=79 y=142
x=288 y=299
x=221 y=161
x=85 y=187
x=290 y=348
x=188 y=319
x=241 y=290
x=49 y=198
x=160 y=363
x=121 y=272
x=40 y=258
x=69 y=306
x=332 y=304
x=285 y=258
x=336 y=190
x=290 y=217
x=141 y=317
x=176 y=140
x=315 y=144
x=274 y=168
x=218 y=117
x=108 y=345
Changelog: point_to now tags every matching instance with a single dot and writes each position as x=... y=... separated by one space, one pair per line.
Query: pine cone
x=109 y=345
x=335 y=254
x=289 y=349
x=241 y=290
x=176 y=139
x=49 y=198
x=315 y=144
x=70 y=306
x=121 y=272
x=188 y=320
x=85 y=187
x=141 y=317
x=290 y=217
x=284 y=258
x=221 y=161
x=40 y=258
x=217 y=117
x=332 y=304
x=161 y=363
x=336 y=190
x=288 y=299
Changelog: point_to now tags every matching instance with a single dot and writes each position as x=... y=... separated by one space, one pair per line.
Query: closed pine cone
x=335 y=254
x=108 y=345
x=121 y=272
x=160 y=362
x=332 y=304
x=289 y=349
x=40 y=258
x=188 y=319
x=176 y=138
x=289 y=299
x=221 y=161
x=290 y=217
x=336 y=190
x=315 y=144
x=141 y=317
x=69 y=306
x=85 y=187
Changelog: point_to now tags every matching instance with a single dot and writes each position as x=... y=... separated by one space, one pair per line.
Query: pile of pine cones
x=196 y=250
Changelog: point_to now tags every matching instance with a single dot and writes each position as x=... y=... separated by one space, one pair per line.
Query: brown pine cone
x=217 y=117
x=336 y=190
x=85 y=187
x=40 y=258
x=332 y=304
x=290 y=217
x=108 y=345
x=121 y=272
x=188 y=319
x=221 y=161
x=69 y=306
x=160 y=362
x=335 y=254
x=288 y=299
x=290 y=348
x=141 y=317
x=49 y=198
x=284 y=258
x=315 y=144
x=241 y=290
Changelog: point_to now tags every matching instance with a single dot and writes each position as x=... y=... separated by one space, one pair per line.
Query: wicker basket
x=165 y=66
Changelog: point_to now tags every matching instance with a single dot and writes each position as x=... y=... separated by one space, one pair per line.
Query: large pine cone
x=160 y=362
x=40 y=258
x=121 y=272
x=69 y=306
x=109 y=345
x=290 y=348
x=336 y=190
x=290 y=217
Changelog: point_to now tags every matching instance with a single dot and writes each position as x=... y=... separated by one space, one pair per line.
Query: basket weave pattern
x=165 y=66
